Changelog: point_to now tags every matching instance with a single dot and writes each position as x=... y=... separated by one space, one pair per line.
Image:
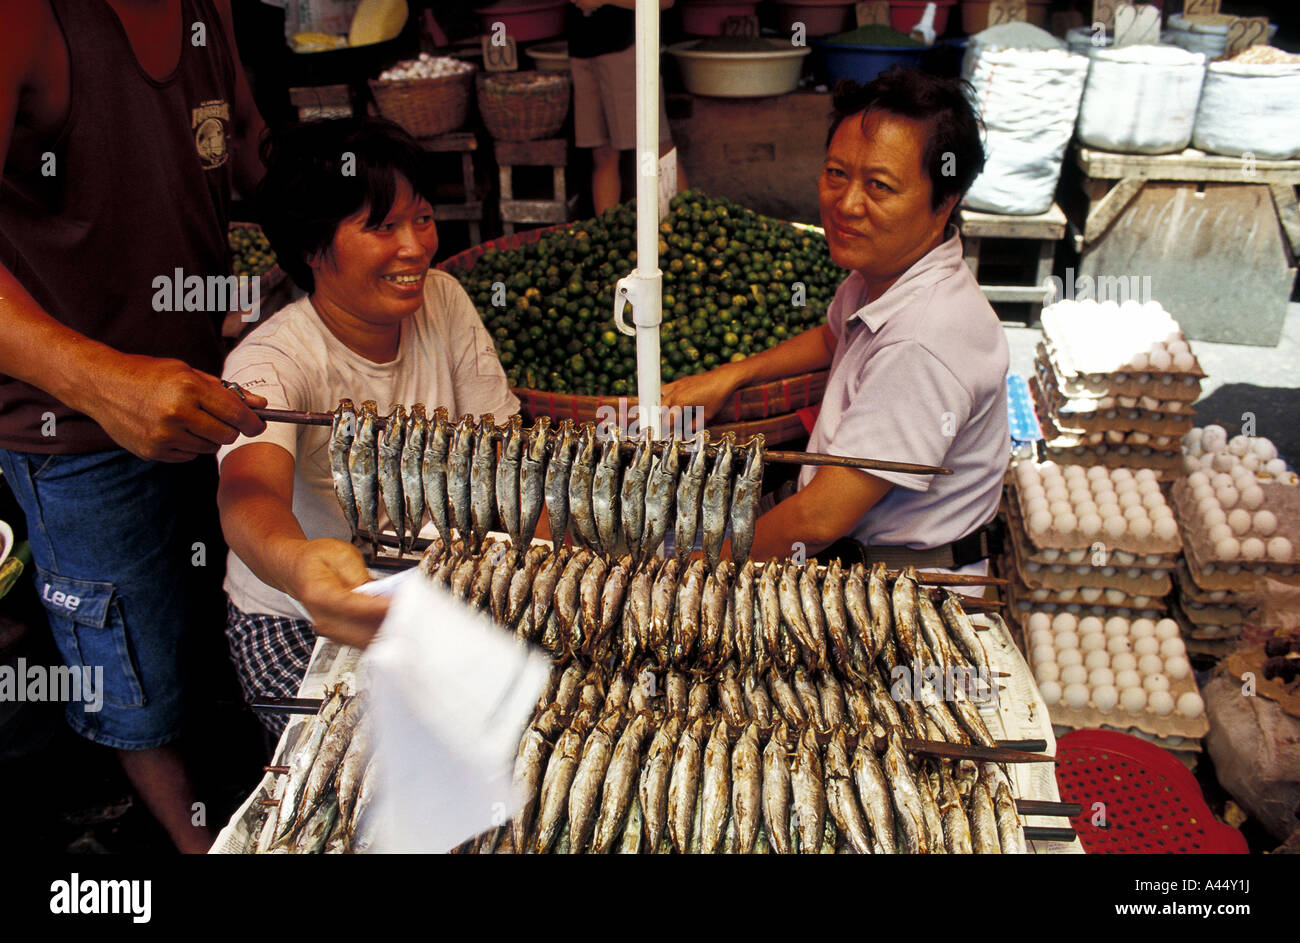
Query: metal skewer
x=963 y=751
x=303 y=418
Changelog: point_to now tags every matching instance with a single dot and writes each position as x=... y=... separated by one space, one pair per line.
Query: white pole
x=644 y=287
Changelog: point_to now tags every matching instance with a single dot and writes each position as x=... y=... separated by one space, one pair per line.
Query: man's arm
x=256 y=502
x=827 y=509
x=803 y=353
x=247 y=120
x=158 y=409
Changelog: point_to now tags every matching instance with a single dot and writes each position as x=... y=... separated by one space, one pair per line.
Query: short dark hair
x=944 y=103
x=318 y=173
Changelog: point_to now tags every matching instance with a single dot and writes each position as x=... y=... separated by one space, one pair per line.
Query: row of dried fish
x=456 y=473
x=763 y=616
x=321 y=804
x=740 y=769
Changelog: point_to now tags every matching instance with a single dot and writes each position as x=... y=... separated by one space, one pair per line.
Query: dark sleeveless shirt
x=140 y=188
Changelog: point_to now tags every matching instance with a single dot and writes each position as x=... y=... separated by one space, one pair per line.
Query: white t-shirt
x=919 y=375
x=445 y=357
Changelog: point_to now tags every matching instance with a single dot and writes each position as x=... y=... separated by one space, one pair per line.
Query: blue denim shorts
x=116 y=567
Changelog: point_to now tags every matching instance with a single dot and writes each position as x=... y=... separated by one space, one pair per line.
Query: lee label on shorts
x=83 y=601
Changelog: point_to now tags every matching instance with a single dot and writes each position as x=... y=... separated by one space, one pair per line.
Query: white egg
x=1124 y=661
x=1213 y=514
x=1223 y=461
x=1089 y=525
x=1119 y=644
x=1115 y=525
x=1076 y=695
x=1065 y=523
x=1040 y=522
x=1177 y=668
x=1057 y=493
x=1251 y=497
x=1095 y=472
x=1047 y=671
x=1177 y=347
x=1153 y=499
x=1275 y=467
x=1066 y=640
x=1051 y=692
x=1165 y=528
x=1215 y=433
x=1106 y=510
x=1190 y=464
x=1041 y=637
x=1264 y=523
x=1161 y=703
x=1042 y=653
x=1105 y=697
x=1161 y=511
x=1279 y=549
x=1150 y=664
x=1217 y=532
x=1204 y=493
x=1074 y=674
x=1134 y=512
x=1116 y=626
x=1034 y=505
x=1092 y=642
x=1197 y=479
x=1155 y=682
x=1089 y=624
x=1172 y=646
x=1101 y=675
x=1251 y=463
x=1070 y=472
x=1166 y=628
x=1134 y=699
x=1058 y=508
x=1125 y=486
x=1227 y=549
x=1127 y=678
x=1159 y=360
x=1141 y=628
x=1145 y=475
x=1089 y=593
x=1227 y=496
x=1065 y=622
x=1239 y=445
x=1137 y=362
x=1096 y=659
x=1031 y=490
x=1252 y=548
x=1120 y=474
x=1040 y=620
x=1207 y=461
x=1191 y=704
x=1147 y=645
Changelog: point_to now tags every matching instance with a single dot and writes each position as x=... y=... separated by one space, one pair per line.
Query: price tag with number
x=1244 y=32
x=745 y=26
x=1103 y=12
x=1200 y=7
x=499 y=54
x=1007 y=11
x=874 y=13
x=1136 y=26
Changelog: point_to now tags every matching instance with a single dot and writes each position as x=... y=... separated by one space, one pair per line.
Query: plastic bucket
x=864 y=63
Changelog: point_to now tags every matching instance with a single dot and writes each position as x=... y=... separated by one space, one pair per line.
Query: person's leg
x=606 y=185
x=111 y=562
x=271 y=654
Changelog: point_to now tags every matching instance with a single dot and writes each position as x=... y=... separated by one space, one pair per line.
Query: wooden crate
x=1218 y=237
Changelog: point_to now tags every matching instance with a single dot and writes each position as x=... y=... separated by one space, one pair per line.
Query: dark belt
x=975 y=546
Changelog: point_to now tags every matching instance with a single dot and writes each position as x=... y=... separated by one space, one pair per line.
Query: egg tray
x=1059 y=435
x=1214 y=614
x=1121 y=559
x=1188 y=589
x=1166 y=465
x=1053 y=540
x=1205 y=632
x=1065 y=324
x=1166 y=386
x=1132 y=581
x=1069 y=597
x=1171 y=725
x=1021 y=607
x=1068 y=416
x=1240 y=581
x=1282 y=499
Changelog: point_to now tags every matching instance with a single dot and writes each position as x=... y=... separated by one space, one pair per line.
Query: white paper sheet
x=451 y=693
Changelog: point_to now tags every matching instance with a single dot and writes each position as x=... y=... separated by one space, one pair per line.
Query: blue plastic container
x=864 y=63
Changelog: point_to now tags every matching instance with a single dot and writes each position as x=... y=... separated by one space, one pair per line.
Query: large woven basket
x=523 y=106
x=426 y=107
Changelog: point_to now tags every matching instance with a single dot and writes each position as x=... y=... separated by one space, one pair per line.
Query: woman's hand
x=708 y=391
x=325 y=573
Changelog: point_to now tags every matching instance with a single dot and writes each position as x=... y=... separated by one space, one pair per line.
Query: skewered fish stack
x=613 y=496
x=1239 y=510
x=1114 y=385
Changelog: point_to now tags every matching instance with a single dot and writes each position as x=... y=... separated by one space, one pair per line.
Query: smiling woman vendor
x=917 y=358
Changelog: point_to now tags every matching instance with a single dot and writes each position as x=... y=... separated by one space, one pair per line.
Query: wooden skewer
x=304 y=418
x=270 y=802
x=962 y=751
x=1041 y=807
x=1043 y=833
x=276 y=769
x=286 y=705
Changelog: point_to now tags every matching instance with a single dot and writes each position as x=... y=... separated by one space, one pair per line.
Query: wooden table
x=1047 y=229
x=1217 y=236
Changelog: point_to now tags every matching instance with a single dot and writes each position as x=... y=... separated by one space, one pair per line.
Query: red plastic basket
x=1153 y=804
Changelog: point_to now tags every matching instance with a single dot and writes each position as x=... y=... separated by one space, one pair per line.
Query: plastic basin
x=740 y=74
x=550 y=57
x=864 y=63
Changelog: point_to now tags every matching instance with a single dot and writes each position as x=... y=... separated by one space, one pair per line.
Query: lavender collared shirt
x=919 y=375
